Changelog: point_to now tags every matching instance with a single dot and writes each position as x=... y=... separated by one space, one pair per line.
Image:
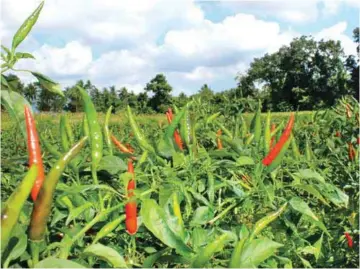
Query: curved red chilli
x=119 y=145
x=34 y=152
x=284 y=137
x=349 y=239
x=130 y=207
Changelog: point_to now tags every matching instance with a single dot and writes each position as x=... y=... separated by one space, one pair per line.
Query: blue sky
x=126 y=43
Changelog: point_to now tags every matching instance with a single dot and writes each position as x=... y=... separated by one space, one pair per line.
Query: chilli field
x=183 y=194
x=186 y=188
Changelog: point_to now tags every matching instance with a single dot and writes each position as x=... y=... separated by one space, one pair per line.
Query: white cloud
x=336 y=32
x=120 y=43
x=71 y=60
x=292 y=11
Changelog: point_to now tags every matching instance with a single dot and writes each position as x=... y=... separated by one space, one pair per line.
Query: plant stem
x=34 y=248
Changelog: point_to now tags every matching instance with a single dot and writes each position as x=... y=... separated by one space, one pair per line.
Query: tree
x=206 y=93
x=161 y=90
x=49 y=101
x=352 y=65
x=30 y=92
x=306 y=74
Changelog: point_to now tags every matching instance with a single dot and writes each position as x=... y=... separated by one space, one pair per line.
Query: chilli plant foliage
x=200 y=191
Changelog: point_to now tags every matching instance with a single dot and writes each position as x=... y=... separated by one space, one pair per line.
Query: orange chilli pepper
x=34 y=152
x=130 y=207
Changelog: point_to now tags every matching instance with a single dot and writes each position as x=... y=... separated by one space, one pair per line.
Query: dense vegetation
x=203 y=185
x=304 y=75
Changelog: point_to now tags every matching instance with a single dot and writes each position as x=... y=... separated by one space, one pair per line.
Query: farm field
x=210 y=201
x=207 y=179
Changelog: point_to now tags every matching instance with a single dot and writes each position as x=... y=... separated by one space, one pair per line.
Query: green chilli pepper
x=244 y=129
x=249 y=139
x=262 y=223
x=108 y=228
x=211 y=187
x=96 y=138
x=185 y=129
x=193 y=133
x=295 y=148
x=140 y=138
x=236 y=128
x=225 y=130
x=212 y=117
x=233 y=144
x=85 y=125
x=64 y=139
x=69 y=131
x=13 y=206
x=267 y=135
x=176 y=208
x=308 y=151
x=256 y=125
x=42 y=206
x=25 y=28
x=205 y=255
x=53 y=151
x=142 y=159
x=107 y=131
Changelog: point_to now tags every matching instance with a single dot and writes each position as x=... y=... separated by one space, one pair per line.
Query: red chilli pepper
x=351 y=151
x=358 y=140
x=218 y=140
x=130 y=207
x=34 y=152
x=338 y=134
x=273 y=127
x=177 y=137
x=283 y=139
x=349 y=239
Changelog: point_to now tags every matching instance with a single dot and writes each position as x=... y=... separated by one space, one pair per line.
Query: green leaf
x=309 y=174
x=257 y=251
x=57 y=263
x=107 y=254
x=25 y=28
x=302 y=207
x=18 y=246
x=245 y=160
x=310 y=189
x=75 y=212
x=306 y=263
x=14 y=104
x=112 y=165
x=24 y=55
x=48 y=84
x=205 y=254
x=150 y=260
x=335 y=195
x=199 y=238
x=299 y=205
x=202 y=215
x=154 y=219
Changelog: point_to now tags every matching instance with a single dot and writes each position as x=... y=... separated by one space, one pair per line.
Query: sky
x=126 y=43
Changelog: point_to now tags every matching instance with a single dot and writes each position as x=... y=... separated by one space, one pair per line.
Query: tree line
x=305 y=75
